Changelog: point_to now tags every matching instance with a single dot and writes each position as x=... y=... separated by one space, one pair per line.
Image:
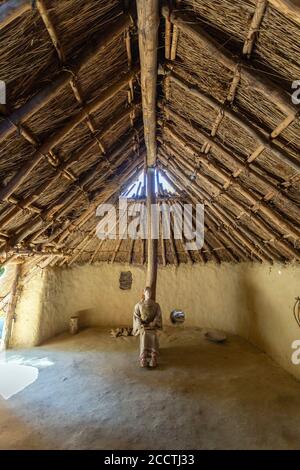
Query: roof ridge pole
x=148 y=24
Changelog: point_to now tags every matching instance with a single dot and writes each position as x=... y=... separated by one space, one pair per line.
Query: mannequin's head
x=147 y=293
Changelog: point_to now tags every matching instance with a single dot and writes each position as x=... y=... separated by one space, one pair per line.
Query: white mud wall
x=251 y=300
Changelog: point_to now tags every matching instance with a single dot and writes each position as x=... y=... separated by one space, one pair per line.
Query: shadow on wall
x=87 y=317
x=248 y=320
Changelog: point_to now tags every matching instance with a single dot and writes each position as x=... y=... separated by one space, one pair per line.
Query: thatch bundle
x=77 y=21
x=27 y=57
x=278 y=44
x=206 y=71
x=230 y=17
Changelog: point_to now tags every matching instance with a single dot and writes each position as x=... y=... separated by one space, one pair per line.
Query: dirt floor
x=91 y=394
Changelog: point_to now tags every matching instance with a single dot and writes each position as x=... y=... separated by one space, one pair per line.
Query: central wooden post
x=148 y=24
x=152 y=243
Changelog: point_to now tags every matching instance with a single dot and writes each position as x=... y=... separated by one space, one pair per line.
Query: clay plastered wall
x=253 y=301
x=26 y=328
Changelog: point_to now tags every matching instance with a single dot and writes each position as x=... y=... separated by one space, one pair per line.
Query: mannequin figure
x=147 y=319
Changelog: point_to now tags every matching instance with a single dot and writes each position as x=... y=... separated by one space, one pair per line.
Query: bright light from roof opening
x=137 y=189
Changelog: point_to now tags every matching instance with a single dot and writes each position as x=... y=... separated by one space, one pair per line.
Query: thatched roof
x=71 y=133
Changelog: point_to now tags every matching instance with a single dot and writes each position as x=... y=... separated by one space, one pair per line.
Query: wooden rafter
x=257 y=18
x=189 y=25
x=257 y=204
x=211 y=202
x=61 y=236
x=46 y=146
x=178 y=179
x=244 y=219
x=208 y=217
x=92 y=49
x=75 y=86
x=25 y=204
x=80 y=248
x=264 y=141
x=68 y=199
x=283 y=244
x=214 y=167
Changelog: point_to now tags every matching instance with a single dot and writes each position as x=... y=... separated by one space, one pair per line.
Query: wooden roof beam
x=55 y=139
x=219 y=192
x=102 y=240
x=294 y=253
x=260 y=224
x=189 y=25
x=177 y=185
x=228 y=182
x=238 y=166
x=67 y=200
x=257 y=19
x=179 y=190
x=83 y=244
x=97 y=251
x=90 y=212
x=263 y=140
x=61 y=236
x=258 y=204
x=88 y=238
x=92 y=49
x=73 y=158
x=253 y=246
x=75 y=86
x=42 y=9
x=128 y=175
x=242 y=253
x=148 y=23
x=174 y=168
x=236 y=78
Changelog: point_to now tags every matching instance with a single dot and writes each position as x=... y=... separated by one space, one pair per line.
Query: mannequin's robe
x=146 y=313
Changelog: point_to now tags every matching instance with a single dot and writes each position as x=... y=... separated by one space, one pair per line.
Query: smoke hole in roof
x=138 y=188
